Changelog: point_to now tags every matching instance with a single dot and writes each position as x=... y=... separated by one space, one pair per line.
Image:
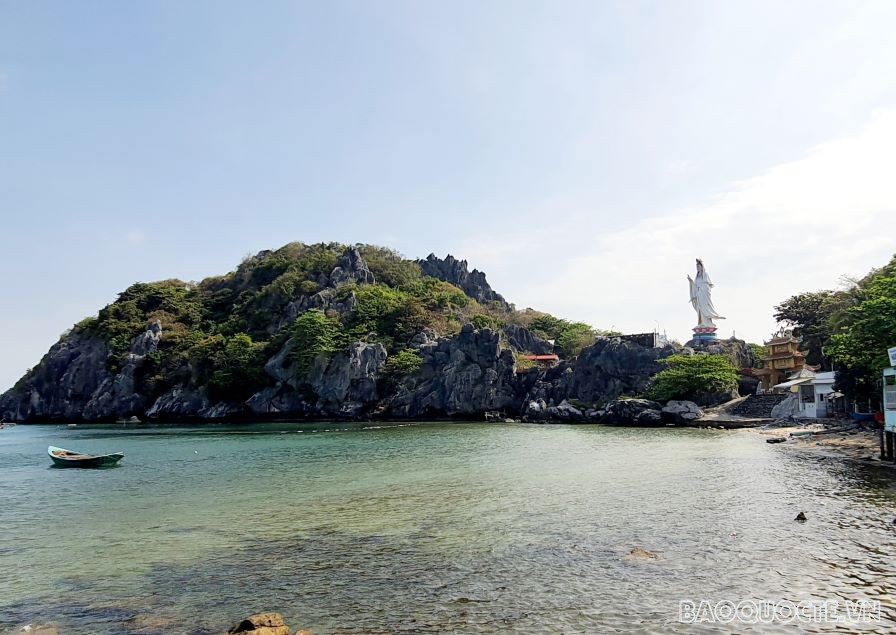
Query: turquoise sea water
x=429 y=528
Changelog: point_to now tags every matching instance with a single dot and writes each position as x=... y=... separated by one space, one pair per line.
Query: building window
x=807 y=394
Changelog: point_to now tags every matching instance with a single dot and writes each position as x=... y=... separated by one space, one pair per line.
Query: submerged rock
x=641 y=554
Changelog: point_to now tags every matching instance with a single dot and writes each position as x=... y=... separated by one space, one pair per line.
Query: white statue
x=701 y=298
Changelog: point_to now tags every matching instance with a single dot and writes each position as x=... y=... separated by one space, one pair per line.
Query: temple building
x=782 y=361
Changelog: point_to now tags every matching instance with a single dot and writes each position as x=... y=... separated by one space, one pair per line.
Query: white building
x=812 y=391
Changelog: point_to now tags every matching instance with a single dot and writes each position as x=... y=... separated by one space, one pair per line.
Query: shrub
x=119 y=322
x=688 y=376
x=569 y=337
x=482 y=321
x=313 y=334
x=436 y=294
x=389 y=313
x=403 y=363
x=231 y=367
x=389 y=267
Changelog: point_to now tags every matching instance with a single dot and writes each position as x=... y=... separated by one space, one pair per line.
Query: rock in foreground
x=681 y=412
x=261 y=624
x=633 y=412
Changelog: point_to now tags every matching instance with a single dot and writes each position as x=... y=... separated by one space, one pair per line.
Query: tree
x=231 y=367
x=867 y=330
x=693 y=376
x=313 y=334
x=813 y=318
x=569 y=337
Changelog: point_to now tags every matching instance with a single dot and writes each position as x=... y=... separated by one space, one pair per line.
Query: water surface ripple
x=430 y=528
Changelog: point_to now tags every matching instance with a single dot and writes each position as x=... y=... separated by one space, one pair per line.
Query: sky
x=582 y=154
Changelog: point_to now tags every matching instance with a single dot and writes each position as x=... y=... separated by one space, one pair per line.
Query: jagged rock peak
x=473 y=283
x=351 y=268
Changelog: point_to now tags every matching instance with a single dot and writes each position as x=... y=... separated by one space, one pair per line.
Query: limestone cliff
x=329 y=331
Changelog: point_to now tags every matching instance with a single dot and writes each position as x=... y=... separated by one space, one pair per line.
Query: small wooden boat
x=67 y=458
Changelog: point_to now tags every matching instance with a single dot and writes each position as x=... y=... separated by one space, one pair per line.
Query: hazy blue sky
x=581 y=153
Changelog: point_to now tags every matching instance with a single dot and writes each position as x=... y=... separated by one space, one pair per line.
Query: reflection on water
x=429 y=528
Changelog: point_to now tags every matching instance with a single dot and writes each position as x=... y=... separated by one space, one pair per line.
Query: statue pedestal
x=704 y=334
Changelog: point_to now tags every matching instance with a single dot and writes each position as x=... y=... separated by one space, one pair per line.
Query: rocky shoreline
x=828 y=438
x=461 y=377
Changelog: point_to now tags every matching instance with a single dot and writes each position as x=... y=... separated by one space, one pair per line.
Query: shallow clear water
x=466 y=528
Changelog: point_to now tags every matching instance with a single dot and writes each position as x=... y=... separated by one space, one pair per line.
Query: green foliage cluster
x=313 y=334
x=403 y=363
x=389 y=267
x=173 y=302
x=810 y=314
x=849 y=330
x=231 y=366
x=866 y=330
x=688 y=376
x=569 y=337
x=484 y=321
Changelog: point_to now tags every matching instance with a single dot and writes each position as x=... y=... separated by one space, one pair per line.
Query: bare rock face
x=62 y=383
x=187 y=402
x=464 y=374
x=523 y=339
x=454 y=271
x=117 y=395
x=737 y=351
x=351 y=268
x=603 y=371
x=344 y=385
x=261 y=624
x=73 y=381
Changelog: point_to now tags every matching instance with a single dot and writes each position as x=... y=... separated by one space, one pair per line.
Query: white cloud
x=797 y=227
x=135 y=238
x=679 y=168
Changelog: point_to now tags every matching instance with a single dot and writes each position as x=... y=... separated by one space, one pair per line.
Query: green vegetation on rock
x=219 y=333
x=689 y=376
x=402 y=363
x=313 y=335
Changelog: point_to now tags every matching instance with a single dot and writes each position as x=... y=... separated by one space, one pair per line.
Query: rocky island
x=335 y=331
